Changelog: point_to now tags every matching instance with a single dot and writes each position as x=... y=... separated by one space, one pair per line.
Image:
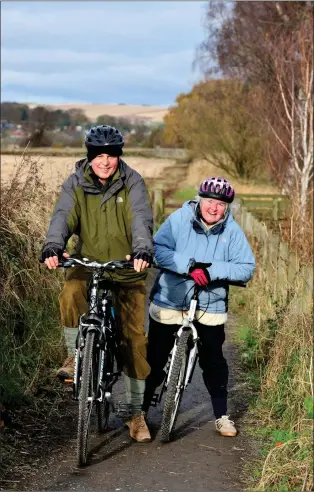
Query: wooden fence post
x=243 y=218
x=158 y=205
x=306 y=275
x=236 y=210
x=264 y=249
x=275 y=208
x=282 y=276
x=293 y=269
x=249 y=223
x=255 y=227
x=272 y=261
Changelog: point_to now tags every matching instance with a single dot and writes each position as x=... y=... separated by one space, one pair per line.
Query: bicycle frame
x=92 y=321
x=95 y=355
x=187 y=324
x=192 y=358
x=96 y=319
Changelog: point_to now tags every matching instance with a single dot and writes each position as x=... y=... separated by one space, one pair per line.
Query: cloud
x=99 y=24
x=24 y=58
x=130 y=51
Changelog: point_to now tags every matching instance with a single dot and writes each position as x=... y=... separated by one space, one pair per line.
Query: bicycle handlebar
x=96 y=265
x=122 y=264
x=229 y=282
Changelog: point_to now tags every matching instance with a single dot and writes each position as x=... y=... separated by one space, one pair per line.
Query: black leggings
x=211 y=361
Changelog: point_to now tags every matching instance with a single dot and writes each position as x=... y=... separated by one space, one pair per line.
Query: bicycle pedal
x=124 y=410
x=109 y=399
x=155 y=400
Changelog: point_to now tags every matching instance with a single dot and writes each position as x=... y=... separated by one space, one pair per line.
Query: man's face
x=104 y=166
x=212 y=210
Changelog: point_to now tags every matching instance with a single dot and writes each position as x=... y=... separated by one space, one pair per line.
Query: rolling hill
x=153 y=114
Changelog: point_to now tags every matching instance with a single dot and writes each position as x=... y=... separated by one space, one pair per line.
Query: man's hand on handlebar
x=142 y=260
x=52 y=262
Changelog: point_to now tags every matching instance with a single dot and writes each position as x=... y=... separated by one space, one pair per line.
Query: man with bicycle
x=106 y=204
x=202 y=241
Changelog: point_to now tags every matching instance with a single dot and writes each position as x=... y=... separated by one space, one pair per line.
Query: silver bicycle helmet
x=218 y=188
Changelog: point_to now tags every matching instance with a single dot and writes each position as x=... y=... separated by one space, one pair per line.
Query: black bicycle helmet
x=103 y=135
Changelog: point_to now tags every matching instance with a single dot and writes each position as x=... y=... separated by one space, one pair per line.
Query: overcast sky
x=99 y=52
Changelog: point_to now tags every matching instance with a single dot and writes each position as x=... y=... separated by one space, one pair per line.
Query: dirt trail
x=198 y=458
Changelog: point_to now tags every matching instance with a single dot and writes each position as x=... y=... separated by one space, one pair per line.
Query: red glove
x=199 y=273
x=199 y=277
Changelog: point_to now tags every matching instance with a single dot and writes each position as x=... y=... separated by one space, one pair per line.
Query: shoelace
x=225 y=419
x=139 y=419
x=68 y=360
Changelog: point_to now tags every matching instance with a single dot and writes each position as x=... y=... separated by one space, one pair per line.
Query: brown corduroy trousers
x=129 y=305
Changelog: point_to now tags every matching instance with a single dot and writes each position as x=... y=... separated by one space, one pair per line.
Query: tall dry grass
x=30 y=337
x=297 y=229
x=277 y=345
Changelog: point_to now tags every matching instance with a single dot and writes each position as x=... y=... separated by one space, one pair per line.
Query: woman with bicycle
x=106 y=204
x=198 y=244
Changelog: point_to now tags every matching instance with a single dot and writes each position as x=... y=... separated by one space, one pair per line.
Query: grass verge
x=276 y=352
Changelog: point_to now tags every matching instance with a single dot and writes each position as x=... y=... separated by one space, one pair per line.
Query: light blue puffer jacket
x=182 y=239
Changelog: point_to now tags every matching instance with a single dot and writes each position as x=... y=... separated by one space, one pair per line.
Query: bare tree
x=270 y=46
x=292 y=58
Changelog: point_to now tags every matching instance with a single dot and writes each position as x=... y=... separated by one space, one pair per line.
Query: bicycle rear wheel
x=175 y=388
x=86 y=398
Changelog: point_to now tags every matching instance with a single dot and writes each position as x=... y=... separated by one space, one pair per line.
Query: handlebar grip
x=66 y=262
x=123 y=264
x=236 y=284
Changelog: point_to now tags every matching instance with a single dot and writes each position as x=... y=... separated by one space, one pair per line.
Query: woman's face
x=212 y=210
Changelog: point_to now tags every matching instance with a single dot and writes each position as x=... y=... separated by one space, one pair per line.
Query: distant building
x=17 y=133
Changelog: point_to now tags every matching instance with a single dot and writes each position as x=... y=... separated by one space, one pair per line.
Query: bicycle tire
x=103 y=408
x=175 y=389
x=85 y=406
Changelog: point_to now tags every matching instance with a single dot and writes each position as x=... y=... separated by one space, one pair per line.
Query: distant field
x=73 y=151
x=92 y=111
x=56 y=169
x=200 y=169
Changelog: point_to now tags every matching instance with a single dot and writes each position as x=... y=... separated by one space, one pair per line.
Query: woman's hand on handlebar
x=53 y=261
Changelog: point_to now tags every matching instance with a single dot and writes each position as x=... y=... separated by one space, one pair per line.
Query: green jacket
x=109 y=222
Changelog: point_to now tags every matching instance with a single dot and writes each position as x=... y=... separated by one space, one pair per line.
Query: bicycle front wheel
x=103 y=407
x=175 y=388
x=86 y=398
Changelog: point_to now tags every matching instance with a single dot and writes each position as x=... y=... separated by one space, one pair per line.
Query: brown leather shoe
x=67 y=370
x=138 y=428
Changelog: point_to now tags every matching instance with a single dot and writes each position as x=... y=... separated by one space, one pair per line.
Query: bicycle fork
x=192 y=354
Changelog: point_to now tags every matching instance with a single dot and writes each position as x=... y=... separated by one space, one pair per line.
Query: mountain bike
x=97 y=362
x=180 y=368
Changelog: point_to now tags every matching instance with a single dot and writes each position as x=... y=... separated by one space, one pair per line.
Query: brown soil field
x=92 y=111
x=56 y=169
